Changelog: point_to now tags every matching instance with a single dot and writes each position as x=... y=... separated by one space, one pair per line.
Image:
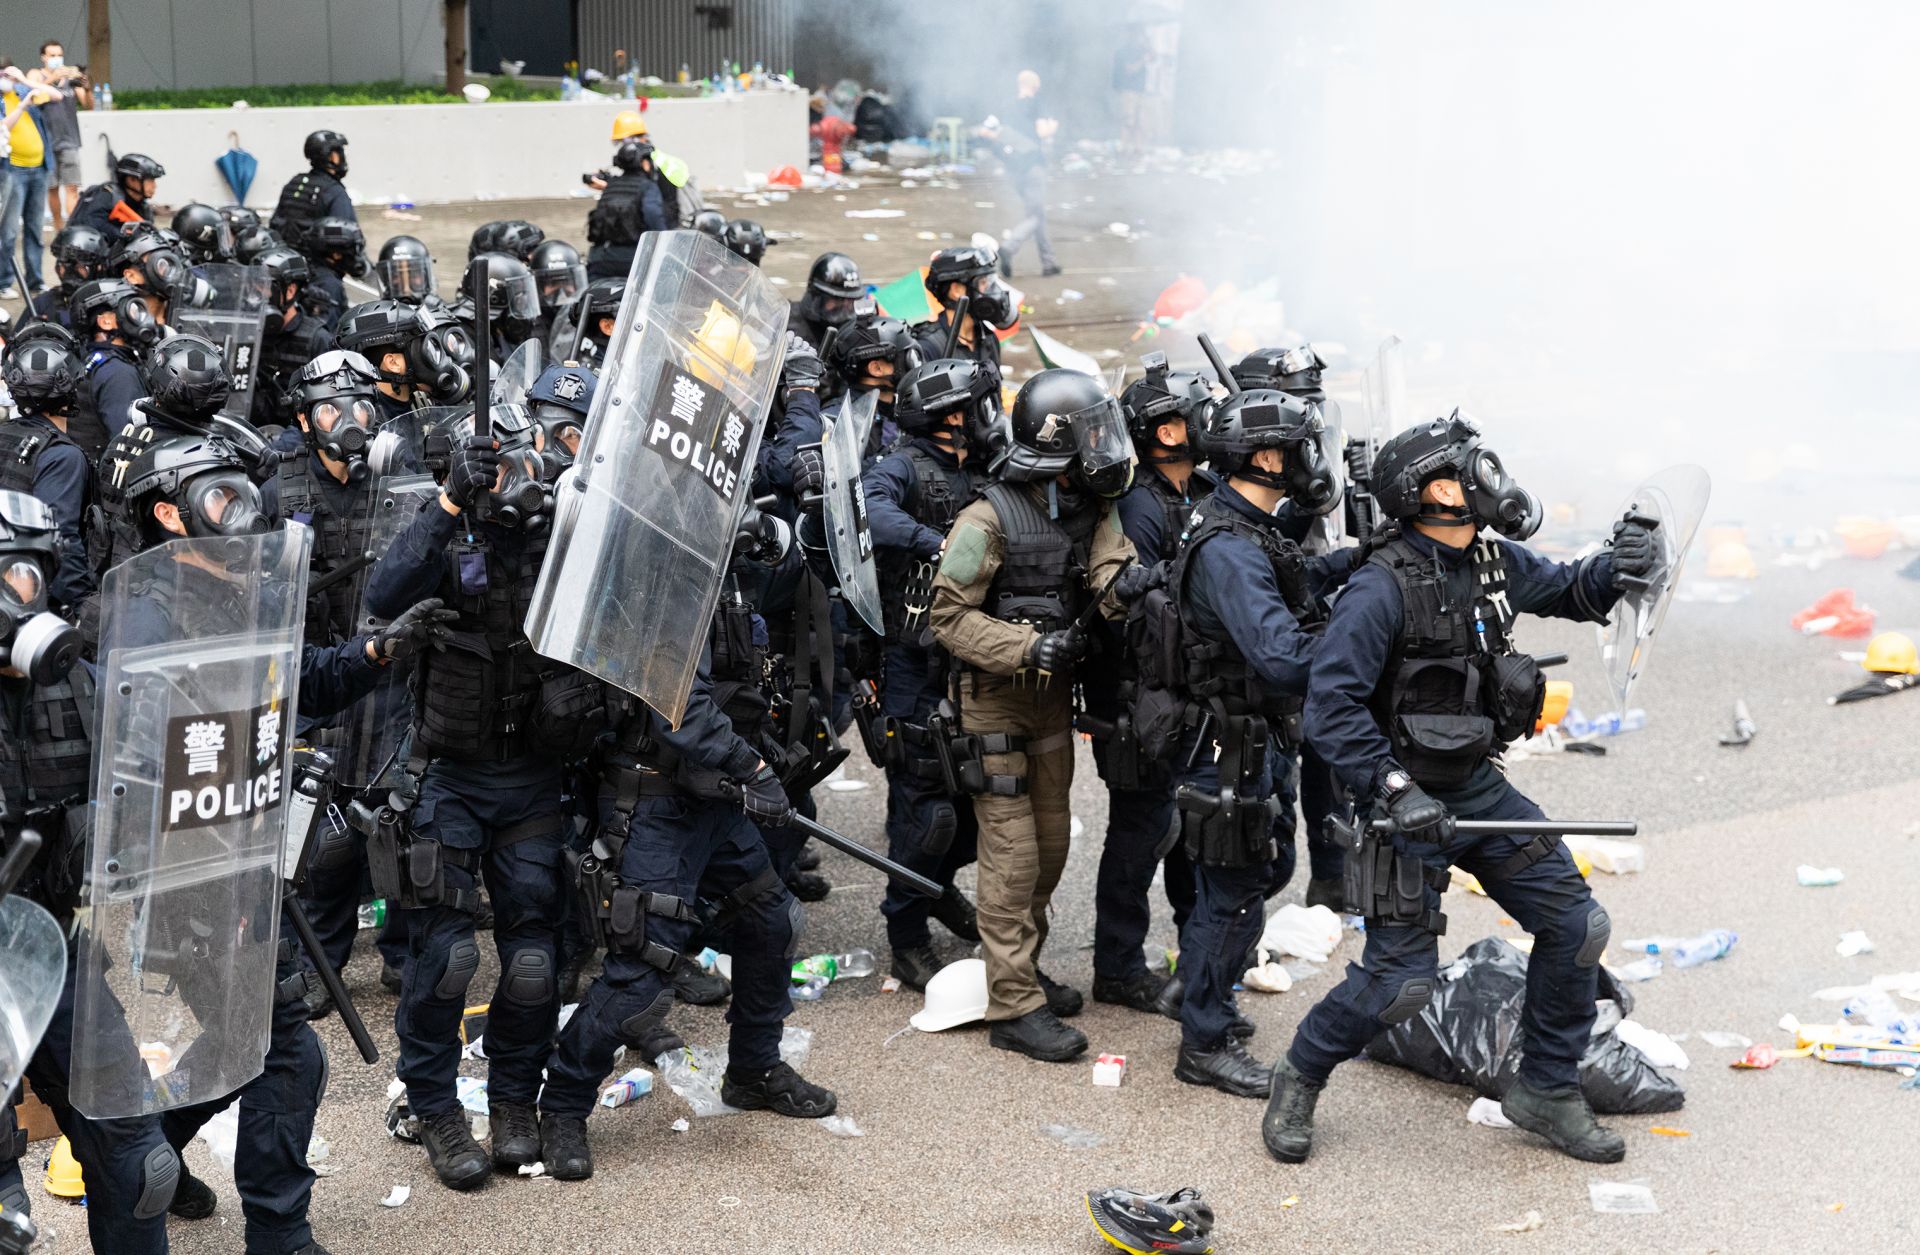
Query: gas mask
x=1103 y=464
x=432 y=367
x=341 y=428
x=39 y=644
x=1312 y=483
x=1493 y=498
x=990 y=301
x=556 y=436
x=522 y=495
x=222 y=503
x=137 y=326
x=761 y=538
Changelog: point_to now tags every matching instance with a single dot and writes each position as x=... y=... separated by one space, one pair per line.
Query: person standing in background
x=25 y=197
x=1021 y=140
x=62 y=120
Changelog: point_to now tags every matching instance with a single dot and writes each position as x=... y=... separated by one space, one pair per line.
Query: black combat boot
x=1227 y=1068
x=914 y=966
x=1063 y=1000
x=1328 y=891
x=698 y=987
x=516 y=1135
x=1287 y=1128
x=780 y=1090
x=1563 y=1118
x=563 y=1147
x=1173 y=995
x=1039 y=1034
x=389 y=977
x=954 y=910
x=1140 y=991
x=193 y=1199
x=457 y=1159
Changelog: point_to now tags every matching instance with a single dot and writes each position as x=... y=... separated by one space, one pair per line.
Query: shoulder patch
x=965 y=555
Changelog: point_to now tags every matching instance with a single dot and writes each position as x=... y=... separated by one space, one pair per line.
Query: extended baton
x=356 y=1028
x=953 y=329
x=847 y=845
x=1532 y=827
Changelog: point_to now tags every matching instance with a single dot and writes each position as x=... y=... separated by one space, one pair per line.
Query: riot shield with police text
x=844 y=508
x=1675 y=499
x=644 y=520
x=30 y=980
x=233 y=317
x=200 y=646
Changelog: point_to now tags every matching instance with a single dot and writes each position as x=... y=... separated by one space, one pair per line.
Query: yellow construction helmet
x=627 y=124
x=721 y=346
x=1892 y=653
x=63 y=1172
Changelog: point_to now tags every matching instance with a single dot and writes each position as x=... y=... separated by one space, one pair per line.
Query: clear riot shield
x=366 y=742
x=200 y=657
x=1676 y=499
x=30 y=982
x=644 y=521
x=234 y=318
x=399 y=444
x=844 y=510
x=1386 y=394
x=566 y=324
x=517 y=374
x=1329 y=531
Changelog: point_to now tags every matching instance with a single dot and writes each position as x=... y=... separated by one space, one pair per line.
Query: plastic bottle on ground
x=373 y=914
x=1688 y=951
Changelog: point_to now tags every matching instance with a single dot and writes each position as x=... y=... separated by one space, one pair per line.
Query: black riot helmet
x=558 y=275
x=251 y=240
x=238 y=216
x=933 y=393
x=327 y=151
x=1164 y=396
x=132 y=170
x=516 y=237
x=187 y=381
x=833 y=286
x=558 y=404
x=33 y=639
x=338 y=244
x=1064 y=421
x=378 y=328
x=287 y=271
x=600 y=300
x=334 y=400
x=161 y=266
x=988 y=299
x=746 y=238
x=133 y=321
x=870 y=337
x=406 y=269
x=711 y=222
x=1235 y=429
x=1295 y=369
x=209 y=473
x=44 y=368
x=204 y=233
x=633 y=155
x=511 y=293
x=81 y=253
x=1451 y=448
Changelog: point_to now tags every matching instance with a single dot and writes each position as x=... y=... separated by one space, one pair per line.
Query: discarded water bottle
x=103 y=99
x=1614 y=723
x=810 y=989
x=832 y=967
x=1688 y=951
x=569 y=87
x=373 y=914
x=1874 y=1009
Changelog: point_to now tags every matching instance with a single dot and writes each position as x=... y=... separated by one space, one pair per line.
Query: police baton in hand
x=847 y=845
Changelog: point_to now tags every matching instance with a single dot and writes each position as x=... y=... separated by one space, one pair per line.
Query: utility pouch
x=1387 y=886
x=1519 y=694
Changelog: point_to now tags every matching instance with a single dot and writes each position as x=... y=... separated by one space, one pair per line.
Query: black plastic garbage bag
x=1470 y=1035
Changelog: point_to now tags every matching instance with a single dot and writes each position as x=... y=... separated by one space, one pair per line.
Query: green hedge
x=388 y=92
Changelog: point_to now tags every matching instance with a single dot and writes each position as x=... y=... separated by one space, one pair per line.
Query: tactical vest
x=1453 y=691
x=338 y=539
x=283 y=354
x=45 y=761
x=1042 y=580
x=616 y=219
x=487 y=696
x=931 y=501
x=301 y=205
x=21 y=448
x=1176 y=508
x=1215 y=667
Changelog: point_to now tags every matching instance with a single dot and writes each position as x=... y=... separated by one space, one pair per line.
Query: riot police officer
x=79 y=254
x=334 y=249
x=630 y=204
x=747 y=239
x=411 y=367
x=43 y=370
x=1019 y=574
x=494 y=729
x=1416 y=688
x=512 y=302
x=967 y=271
x=516 y=237
x=293 y=336
x=106 y=207
x=116 y=329
x=205 y=234
x=599 y=306
x=558 y=277
x=1162 y=409
x=833 y=288
x=946 y=410
x=1247 y=603
x=406 y=270
x=316 y=192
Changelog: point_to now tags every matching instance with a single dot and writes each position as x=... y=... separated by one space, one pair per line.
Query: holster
x=1232 y=827
x=408 y=870
x=963 y=755
x=616 y=913
x=1386 y=885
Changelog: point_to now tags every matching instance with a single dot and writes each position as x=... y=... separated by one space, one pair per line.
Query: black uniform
x=630 y=205
x=308 y=197
x=105 y=405
x=284 y=352
x=40 y=460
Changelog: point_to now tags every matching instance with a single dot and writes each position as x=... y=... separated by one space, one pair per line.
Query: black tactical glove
x=424 y=623
x=802 y=369
x=1134 y=582
x=1415 y=814
x=809 y=471
x=1359 y=461
x=765 y=799
x=1636 y=552
x=1057 y=651
x=470 y=476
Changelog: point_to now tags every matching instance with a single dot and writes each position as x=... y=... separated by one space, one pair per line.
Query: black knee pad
x=1409 y=1002
x=463 y=960
x=159 y=1176
x=1599 y=932
x=942 y=823
x=527 y=980
x=635 y=1027
x=796 y=924
x=14 y=1198
x=326 y=1075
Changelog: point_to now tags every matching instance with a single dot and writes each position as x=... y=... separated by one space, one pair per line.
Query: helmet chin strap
x=1167 y=454
x=1436 y=515
x=1275 y=480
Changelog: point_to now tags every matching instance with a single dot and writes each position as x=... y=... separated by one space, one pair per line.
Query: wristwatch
x=1395 y=782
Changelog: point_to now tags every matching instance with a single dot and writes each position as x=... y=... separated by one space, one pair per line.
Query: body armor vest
x=1176 y=508
x=1453 y=690
x=616 y=218
x=340 y=536
x=20 y=449
x=1042 y=578
x=283 y=354
x=299 y=208
x=45 y=760
x=934 y=501
x=86 y=425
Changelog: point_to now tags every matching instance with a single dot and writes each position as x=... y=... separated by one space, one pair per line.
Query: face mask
x=1495 y=499
x=40 y=644
x=224 y=503
x=55 y=62
x=136 y=323
x=340 y=428
x=991 y=304
x=521 y=499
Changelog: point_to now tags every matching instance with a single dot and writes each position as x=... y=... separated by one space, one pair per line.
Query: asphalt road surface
x=955 y=1155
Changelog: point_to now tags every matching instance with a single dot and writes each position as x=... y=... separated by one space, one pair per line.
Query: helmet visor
x=1100 y=436
x=407 y=278
x=560 y=283
x=515 y=296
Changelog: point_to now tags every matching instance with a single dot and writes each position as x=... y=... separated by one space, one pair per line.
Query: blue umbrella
x=237 y=166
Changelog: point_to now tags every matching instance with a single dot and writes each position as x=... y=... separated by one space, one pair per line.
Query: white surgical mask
x=54 y=63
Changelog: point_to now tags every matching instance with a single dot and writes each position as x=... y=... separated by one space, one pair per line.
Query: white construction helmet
x=956 y=995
